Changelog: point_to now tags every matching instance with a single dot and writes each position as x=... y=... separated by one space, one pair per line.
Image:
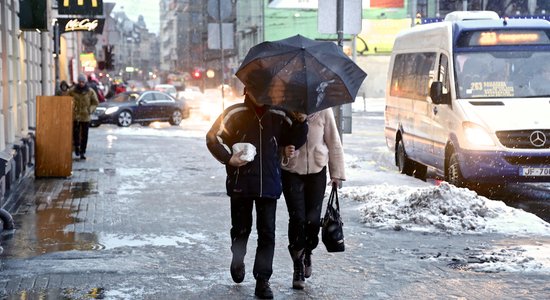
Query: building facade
x=27 y=70
x=190 y=44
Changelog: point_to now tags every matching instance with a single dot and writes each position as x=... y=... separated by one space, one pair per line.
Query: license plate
x=94 y=117
x=528 y=171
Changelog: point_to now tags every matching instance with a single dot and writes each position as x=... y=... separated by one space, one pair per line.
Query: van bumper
x=502 y=166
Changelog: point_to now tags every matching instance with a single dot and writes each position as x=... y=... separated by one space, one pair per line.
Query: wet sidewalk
x=146 y=217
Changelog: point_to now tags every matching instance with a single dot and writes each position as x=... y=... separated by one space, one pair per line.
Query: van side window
x=411 y=75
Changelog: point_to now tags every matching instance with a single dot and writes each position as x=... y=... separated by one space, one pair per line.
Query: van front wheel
x=404 y=164
x=454 y=175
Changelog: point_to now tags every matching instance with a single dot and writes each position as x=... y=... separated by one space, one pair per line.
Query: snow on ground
x=443 y=208
x=451 y=210
x=413 y=205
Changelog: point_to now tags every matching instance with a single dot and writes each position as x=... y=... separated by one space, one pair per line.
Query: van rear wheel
x=404 y=164
x=454 y=175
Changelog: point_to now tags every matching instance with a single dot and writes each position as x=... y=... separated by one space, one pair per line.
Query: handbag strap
x=334 y=197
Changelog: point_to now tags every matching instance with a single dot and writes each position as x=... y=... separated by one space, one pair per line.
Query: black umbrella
x=300 y=74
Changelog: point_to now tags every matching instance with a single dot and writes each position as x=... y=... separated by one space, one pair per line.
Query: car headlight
x=477 y=135
x=111 y=110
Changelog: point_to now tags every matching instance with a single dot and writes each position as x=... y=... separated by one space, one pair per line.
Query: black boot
x=263 y=290
x=237 y=269
x=298 y=280
x=307 y=263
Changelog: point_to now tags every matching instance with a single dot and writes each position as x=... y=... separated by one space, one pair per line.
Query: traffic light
x=197 y=74
x=109 y=57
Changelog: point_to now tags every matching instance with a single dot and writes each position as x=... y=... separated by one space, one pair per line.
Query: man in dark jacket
x=256 y=182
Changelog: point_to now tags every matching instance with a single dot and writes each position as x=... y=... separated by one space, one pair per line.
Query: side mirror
x=436 y=92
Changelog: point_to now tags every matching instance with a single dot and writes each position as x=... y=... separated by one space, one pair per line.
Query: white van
x=466 y=97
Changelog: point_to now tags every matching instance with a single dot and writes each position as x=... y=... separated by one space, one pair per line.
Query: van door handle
x=435 y=110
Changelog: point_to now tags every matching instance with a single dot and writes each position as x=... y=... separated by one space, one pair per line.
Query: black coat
x=268 y=133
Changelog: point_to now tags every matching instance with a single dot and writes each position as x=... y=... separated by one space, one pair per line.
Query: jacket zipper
x=239 y=168
x=261 y=159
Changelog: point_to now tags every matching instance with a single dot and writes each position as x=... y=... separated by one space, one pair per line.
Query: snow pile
x=527 y=258
x=443 y=208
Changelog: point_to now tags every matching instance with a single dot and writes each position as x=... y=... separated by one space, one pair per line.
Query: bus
x=469 y=97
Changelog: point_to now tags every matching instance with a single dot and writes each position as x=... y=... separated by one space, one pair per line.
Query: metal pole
x=221 y=52
x=57 y=52
x=340 y=31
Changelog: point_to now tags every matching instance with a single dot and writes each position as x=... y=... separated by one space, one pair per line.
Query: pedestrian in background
x=93 y=83
x=85 y=103
x=304 y=179
x=256 y=182
x=63 y=89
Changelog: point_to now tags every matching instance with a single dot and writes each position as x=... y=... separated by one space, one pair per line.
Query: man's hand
x=300 y=117
x=236 y=160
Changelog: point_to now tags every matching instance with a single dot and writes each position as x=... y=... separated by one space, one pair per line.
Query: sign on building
x=33 y=15
x=80 y=7
x=94 y=25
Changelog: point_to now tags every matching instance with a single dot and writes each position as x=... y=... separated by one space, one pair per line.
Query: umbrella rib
x=287 y=63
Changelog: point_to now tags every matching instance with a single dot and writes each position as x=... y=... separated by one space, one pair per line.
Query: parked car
x=166 y=88
x=141 y=107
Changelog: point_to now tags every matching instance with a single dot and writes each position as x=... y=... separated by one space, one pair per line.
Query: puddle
x=54 y=222
x=66 y=294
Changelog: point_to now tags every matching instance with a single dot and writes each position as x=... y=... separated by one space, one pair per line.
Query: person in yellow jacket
x=84 y=104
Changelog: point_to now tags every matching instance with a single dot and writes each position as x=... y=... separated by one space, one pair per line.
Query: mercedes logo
x=537 y=138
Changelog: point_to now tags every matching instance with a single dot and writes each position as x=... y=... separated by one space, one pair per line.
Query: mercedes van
x=469 y=98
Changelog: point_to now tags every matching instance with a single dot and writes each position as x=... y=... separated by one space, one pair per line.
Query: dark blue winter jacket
x=268 y=133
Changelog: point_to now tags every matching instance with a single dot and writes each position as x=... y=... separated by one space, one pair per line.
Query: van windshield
x=514 y=74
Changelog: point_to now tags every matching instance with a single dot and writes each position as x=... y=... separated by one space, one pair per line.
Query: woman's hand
x=236 y=160
x=290 y=151
x=335 y=182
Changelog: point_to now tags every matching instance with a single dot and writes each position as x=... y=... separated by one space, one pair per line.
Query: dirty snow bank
x=443 y=208
x=448 y=209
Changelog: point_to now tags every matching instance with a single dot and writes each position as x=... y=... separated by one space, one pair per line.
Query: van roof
x=437 y=34
x=471 y=15
x=501 y=23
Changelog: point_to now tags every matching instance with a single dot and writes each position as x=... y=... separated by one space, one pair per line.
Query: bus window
x=411 y=75
x=500 y=74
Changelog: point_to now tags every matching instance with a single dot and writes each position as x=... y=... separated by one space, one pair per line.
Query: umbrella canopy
x=300 y=74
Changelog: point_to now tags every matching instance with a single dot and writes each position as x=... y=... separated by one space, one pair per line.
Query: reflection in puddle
x=66 y=294
x=52 y=226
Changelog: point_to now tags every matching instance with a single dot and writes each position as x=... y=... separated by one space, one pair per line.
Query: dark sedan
x=141 y=107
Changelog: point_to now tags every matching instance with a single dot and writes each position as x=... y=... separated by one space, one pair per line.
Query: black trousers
x=241 y=227
x=304 y=199
x=80 y=136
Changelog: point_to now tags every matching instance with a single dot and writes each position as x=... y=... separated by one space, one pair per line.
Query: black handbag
x=332 y=232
